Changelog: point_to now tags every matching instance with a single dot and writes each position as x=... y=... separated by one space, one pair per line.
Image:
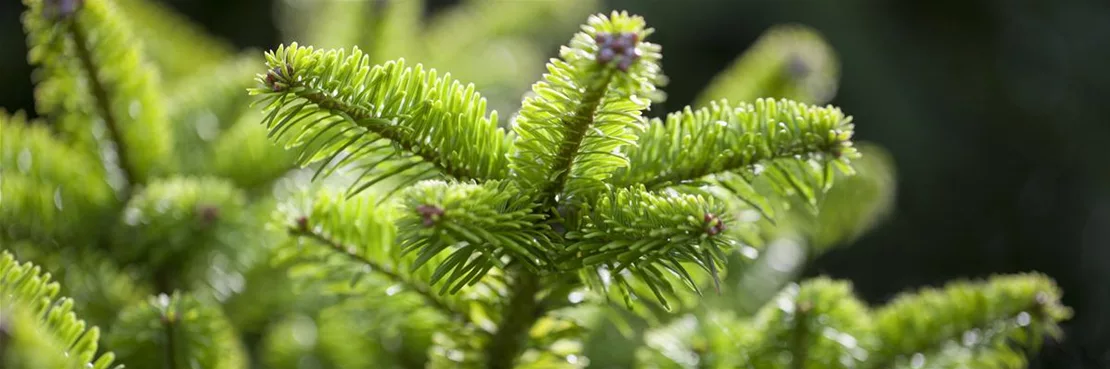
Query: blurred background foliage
x=989 y=110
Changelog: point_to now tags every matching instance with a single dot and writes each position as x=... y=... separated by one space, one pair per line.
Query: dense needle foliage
x=354 y=199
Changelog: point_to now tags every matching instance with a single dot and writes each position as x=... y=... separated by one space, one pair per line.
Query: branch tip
x=63 y=9
x=208 y=214
x=716 y=225
x=621 y=45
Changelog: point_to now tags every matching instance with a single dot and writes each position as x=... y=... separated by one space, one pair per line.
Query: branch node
x=430 y=214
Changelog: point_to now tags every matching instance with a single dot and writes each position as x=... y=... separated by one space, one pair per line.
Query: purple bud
x=625 y=41
x=625 y=63
x=209 y=214
x=63 y=8
x=605 y=55
x=603 y=38
x=429 y=213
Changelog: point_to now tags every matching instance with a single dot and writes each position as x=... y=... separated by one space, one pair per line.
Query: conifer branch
x=654 y=236
x=425 y=293
x=51 y=191
x=479 y=223
x=177 y=330
x=724 y=137
x=791 y=61
x=521 y=312
x=101 y=99
x=587 y=106
x=106 y=72
x=27 y=290
x=397 y=120
x=925 y=321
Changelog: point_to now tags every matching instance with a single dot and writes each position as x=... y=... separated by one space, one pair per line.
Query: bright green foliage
x=652 y=236
x=403 y=121
x=493 y=219
x=584 y=110
x=43 y=329
x=819 y=324
x=787 y=62
x=178 y=330
x=90 y=68
x=596 y=202
x=795 y=148
x=340 y=237
x=425 y=230
x=99 y=288
x=463 y=38
x=174 y=227
x=983 y=319
x=49 y=191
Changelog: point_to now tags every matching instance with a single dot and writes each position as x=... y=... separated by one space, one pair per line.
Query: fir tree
x=363 y=207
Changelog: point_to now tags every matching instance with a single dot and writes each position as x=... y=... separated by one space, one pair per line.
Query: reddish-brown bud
x=208 y=214
x=429 y=213
x=716 y=226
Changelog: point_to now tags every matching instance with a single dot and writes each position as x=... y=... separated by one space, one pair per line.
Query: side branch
x=380 y=126
x=578 y=124
x=376 y=267
x=723 y=137
x=103 y=103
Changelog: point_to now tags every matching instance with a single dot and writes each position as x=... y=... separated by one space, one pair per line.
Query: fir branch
x=792 y=149
x=171 y=227
x=652 y=236
x=790 y=61
x=26 y=289
x=479 y=224
x=425 y=293
x=359 y=232
x=520 y=313
x=725 y=137
x=51 y=191
x=178 y=330
x=113 y=77
x=100 y=97
x=587 y=105
x=334 y=105
x=923 y=322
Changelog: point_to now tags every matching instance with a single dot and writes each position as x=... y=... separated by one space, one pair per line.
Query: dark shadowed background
x=996 y=114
